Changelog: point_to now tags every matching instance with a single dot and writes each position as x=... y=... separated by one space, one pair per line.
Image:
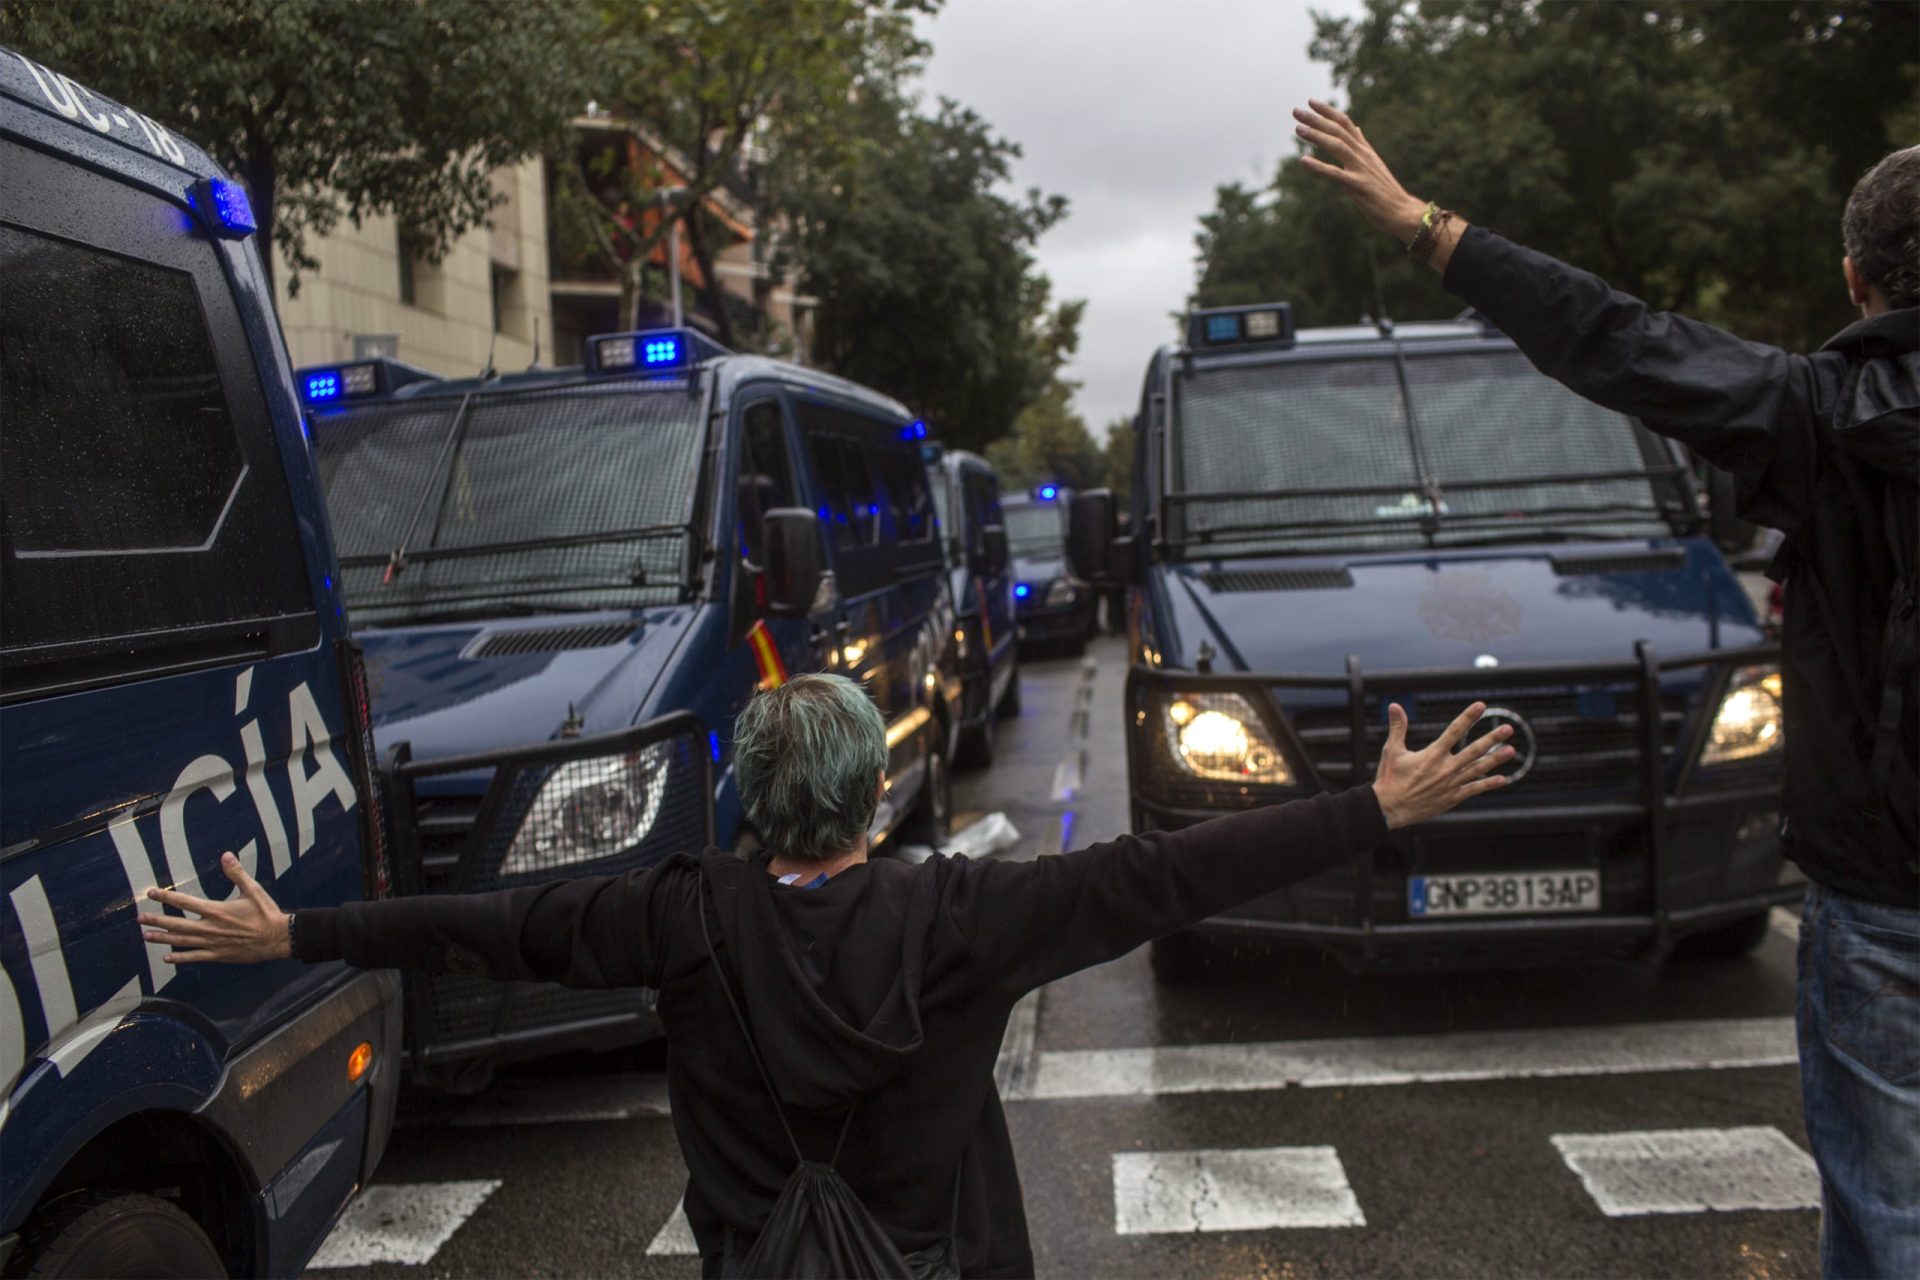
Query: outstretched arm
x=603 y=931
x=1743 y=406
x=1028 y=923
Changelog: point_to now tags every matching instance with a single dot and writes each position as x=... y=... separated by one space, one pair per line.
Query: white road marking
x=1785 y=923
x=404 y=1223
x=552 y=1100
x=675 y=1239
x=1067 y=777
x=1013 y=1069
x=1391 y=1060
x=1243 y=1190
x=1691 y=1170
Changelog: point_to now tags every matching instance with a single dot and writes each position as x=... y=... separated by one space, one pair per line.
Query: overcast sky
x=1135 y=110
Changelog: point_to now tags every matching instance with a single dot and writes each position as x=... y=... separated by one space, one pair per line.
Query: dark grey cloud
x=1135 y=110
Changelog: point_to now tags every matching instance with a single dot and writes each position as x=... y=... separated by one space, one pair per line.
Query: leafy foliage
x=925 y=272
x=1050 y=444
x=1119 y=451
x=1696 y=154
x=740 y=96
x=326 y=108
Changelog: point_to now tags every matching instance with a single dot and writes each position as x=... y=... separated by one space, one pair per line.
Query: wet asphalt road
x=1436 y=1177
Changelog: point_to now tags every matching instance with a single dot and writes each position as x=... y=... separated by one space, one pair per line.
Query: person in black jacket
x=1826 y=449
x=882 y=983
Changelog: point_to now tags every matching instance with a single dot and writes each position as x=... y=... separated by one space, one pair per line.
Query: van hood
x=449 y=689
x=1569 y=602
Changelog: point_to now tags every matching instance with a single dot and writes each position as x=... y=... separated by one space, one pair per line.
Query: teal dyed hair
x=808 y=757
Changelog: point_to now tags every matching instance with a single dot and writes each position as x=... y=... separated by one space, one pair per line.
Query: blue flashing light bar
x=331 y=384
x=1266 y=324
x=915 y=430
x=1047 y=492
x=1021 y=591
x=645 y=351
x=224 y=207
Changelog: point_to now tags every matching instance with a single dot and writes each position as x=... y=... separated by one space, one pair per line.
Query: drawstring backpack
x=819 y=1227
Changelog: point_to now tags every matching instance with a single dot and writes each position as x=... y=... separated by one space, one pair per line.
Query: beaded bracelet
x=292 y=950
x=1432 y=224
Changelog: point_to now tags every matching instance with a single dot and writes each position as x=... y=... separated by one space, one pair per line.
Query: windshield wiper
x=639 y=534
x=482 y=612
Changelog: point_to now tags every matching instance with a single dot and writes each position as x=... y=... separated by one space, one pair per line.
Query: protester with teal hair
x=873 y=988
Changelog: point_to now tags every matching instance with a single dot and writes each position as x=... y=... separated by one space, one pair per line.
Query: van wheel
x=976 y=745
x=1177 y=958
x=1727 y=941
x=106 y=1234
x=933 y=811
x=1009 y=707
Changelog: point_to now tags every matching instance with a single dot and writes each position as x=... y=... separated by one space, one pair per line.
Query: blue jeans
x=1858 y=1016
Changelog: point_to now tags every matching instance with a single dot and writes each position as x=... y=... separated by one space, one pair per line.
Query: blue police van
x=1329 y=520
x=176 y=680
x=556 y=558
x=1053 y=606
x=966 y=497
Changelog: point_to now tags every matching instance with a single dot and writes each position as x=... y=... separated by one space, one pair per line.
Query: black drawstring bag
x=819 y=1229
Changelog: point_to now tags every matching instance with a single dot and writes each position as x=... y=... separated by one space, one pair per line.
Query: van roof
x=733 y=370
x=76 y=112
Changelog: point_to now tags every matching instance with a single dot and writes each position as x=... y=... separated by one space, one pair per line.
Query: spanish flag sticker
x=773 y=672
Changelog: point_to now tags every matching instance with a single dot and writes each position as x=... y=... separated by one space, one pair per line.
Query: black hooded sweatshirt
x=890 y=984
x=1824 y=448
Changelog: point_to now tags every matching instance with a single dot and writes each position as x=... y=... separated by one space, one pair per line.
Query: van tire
x=107 y=1234
x=1727 y=941
x=1177 y=958
x=933 y=810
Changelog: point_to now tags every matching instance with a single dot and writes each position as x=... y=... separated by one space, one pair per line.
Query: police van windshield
x=1035 y=531
x=526 y=502
x=1478 y=447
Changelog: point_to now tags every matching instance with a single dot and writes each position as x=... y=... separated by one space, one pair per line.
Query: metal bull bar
x=1662 y=789
x=551 y=811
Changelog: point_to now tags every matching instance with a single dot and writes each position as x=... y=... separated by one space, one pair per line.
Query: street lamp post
x=667 y=197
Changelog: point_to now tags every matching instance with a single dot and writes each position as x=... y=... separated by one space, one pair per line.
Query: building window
x=508 y=305
x=403 y=252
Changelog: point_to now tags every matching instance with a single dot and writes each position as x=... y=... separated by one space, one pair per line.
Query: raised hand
x=247 y=927
x=1358 y=169
x=1413 y=786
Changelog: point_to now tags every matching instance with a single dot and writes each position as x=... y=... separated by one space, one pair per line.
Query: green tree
x=1050 y=444
x=926 y=274
x=714 y=83
x=1697 y=154
x=325 y=108
x=1119 y=450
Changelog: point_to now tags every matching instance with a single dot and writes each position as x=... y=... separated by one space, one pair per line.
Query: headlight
x=1219 y=737
x=588 y=809
x=1749 y=723
x=1062 y=590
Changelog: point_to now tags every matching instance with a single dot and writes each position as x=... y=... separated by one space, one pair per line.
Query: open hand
x=246 y=927
x=1358 y=168
x=1413 y=786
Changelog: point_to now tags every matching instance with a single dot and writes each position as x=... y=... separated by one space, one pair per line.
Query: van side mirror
x=1095 y=550
x=796 y=560
x=994 y=558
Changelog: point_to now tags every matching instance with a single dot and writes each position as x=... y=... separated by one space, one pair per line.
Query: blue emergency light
x=1021 y=591
x=1047 y=492
x=915 y=430
x=340 y=382
x=646 y=351
x=1265 y=324
x=224 y=207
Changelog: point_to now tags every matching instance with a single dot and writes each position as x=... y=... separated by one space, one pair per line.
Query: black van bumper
x=1673 y=858
x=1057 y=624
x=460 y=1025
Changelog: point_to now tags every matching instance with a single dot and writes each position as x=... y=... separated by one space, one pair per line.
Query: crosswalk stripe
x=1249 y=1189
x=1691 y=1170
x=675 y=1239
x=1710 y=1044
x=402 y=1222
